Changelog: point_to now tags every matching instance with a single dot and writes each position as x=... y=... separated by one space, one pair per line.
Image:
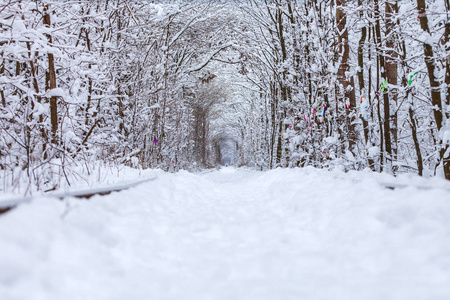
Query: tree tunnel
x=226 y=149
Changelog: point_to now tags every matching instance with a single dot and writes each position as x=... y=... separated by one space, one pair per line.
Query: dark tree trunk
x=387 y=125
x=2 y=93
x=447 y=98
x=362 y=89
x=38 y=98
x=390 y=66
x=283 y=86
x=412 y=123
x=380 y=121
x=435 y=90
x=51 y=79
x=348 y=84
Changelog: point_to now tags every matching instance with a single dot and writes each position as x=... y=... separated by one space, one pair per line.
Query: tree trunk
x=283 y=86
x=361 y=78
x=435 y=90
x=274 y=107
x=348 y=85
x=90 y=87
x=380 y=122
x=447 y=67
x=362 y=89
x=2 y=93
x=39 y=99
x=447 y=98
x=390 y=66
x=416 y=141
x=51 y=78
x=429 y=61
x=387 y=125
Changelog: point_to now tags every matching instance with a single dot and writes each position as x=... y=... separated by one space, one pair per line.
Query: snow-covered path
x=233 y=234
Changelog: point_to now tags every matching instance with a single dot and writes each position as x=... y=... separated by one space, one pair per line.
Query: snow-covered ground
x=235 y=234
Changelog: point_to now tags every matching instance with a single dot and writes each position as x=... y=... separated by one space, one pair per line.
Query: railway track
x=8 y=205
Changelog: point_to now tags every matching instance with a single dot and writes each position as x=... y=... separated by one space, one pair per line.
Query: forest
x=224 y=149
x=192 y=85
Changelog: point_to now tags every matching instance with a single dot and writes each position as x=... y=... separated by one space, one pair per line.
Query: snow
x=350 y=156
x=331 y=140
x=373 y=152
x=446 y=137
x=159 y=9
x=57 y=92
x=235 y=234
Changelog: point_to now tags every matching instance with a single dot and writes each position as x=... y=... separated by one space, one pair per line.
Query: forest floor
x=235 y=234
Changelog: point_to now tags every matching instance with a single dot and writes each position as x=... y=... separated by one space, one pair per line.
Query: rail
x=8 y=205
